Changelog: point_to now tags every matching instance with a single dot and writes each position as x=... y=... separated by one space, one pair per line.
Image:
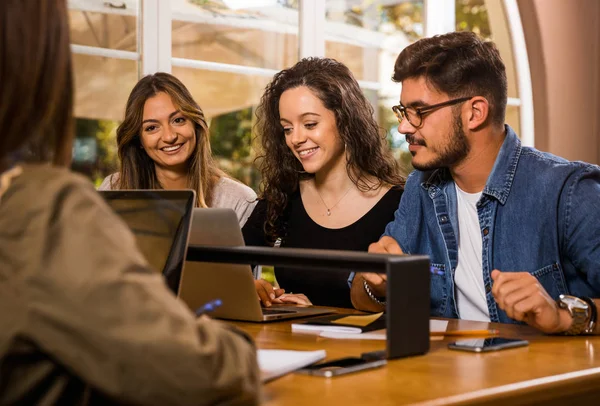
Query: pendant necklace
x=336 y=203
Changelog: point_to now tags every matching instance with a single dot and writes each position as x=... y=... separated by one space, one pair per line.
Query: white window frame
x=156 y=36
x=525 y=100
x=439 y=17
x=107 y=52
x=154 y=46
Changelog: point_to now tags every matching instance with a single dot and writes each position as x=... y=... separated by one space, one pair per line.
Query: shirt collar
x=501 y=178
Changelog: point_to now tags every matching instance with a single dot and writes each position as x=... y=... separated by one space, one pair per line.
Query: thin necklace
x=336 y=203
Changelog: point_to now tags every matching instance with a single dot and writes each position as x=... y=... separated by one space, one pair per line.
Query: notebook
x=233 y=284
x=343 y=323
x=276 y=363
x=160 y=221
x=436 y=329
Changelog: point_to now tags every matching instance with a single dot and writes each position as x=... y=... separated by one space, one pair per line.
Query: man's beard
x=456 y=150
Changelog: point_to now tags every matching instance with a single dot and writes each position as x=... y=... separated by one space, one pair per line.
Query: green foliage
x=97 y=139
x=231 y=144
x=268 y=273
x=408 y=17
x=202 y=2
x=471 y=15
x=231 y=134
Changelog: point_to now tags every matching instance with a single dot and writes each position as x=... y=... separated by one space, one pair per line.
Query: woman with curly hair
x=163 y=144
x=329 y=178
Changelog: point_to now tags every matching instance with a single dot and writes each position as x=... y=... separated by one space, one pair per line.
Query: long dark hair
x=137 y=168
x=36 y=82
x=370 y=163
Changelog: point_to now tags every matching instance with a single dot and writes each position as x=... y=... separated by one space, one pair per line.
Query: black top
x=323 y=288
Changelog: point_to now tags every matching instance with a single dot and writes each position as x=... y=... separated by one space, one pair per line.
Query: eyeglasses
x=415 y=115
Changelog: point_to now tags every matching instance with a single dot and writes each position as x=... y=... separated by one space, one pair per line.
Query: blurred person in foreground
x=84 y=319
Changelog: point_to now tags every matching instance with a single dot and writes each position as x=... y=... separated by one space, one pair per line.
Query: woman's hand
x=266 y=293
x=296 y=298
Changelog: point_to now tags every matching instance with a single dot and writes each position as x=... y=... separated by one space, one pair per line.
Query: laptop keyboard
x=277 y=311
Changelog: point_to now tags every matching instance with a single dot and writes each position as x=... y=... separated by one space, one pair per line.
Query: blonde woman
x=163 y=144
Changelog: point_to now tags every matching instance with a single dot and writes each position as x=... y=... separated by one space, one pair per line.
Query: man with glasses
x=513 y=234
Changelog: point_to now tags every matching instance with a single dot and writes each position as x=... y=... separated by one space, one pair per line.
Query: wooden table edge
x=534 y=390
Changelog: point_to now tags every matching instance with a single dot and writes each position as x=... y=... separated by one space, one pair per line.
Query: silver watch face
x=573 y=302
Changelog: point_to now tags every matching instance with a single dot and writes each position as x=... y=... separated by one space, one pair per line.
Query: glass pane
x=102 y=86
x=488 y=19
x=472 y=15
x=367 y=37
x=108 y=24
x=230 y=115
x=257 y=33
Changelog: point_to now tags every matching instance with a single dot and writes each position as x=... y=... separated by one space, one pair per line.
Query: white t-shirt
x=468 y=277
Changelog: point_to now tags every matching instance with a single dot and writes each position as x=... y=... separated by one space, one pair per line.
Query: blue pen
x=435 y=270
x=209 y=307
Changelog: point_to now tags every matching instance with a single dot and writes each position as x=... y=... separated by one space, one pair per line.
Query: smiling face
x=168 y=137
x=310 y=130
x=440 y=141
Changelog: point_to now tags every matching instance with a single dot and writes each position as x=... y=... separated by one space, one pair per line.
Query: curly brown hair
x=370 y=163
x=137 y=168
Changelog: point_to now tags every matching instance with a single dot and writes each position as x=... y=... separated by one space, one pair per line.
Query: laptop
x=160 y=221
x=232 y=283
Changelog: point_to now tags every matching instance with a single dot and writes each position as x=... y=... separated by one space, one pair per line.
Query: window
x=105 y=44
x=367 y=37
x=226 y=51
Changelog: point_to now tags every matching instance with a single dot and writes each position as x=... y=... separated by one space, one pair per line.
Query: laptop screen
x=160 y=221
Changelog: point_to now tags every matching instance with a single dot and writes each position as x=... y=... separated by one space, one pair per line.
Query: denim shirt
x=538 y=213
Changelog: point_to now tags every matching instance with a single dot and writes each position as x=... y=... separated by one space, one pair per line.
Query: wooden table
x=551 y=370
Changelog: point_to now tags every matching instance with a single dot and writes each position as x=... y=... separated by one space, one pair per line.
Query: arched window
x=226 y=51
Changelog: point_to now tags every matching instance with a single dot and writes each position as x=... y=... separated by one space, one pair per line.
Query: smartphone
x=341 y=366
x=487 y=344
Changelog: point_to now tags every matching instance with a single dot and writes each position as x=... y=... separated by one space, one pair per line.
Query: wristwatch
x=372 y=295
x=582 y=310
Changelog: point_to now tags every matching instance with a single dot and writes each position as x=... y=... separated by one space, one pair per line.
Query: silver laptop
x=233 y=284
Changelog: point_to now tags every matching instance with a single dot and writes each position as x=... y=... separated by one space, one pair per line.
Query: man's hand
x=523 y=298
x=386 y=245
x=266 y=293
x=378 y=282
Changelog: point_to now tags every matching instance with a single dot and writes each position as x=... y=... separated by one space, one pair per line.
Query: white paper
x=325 y=328
x=275 y=363
x=435 y=326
